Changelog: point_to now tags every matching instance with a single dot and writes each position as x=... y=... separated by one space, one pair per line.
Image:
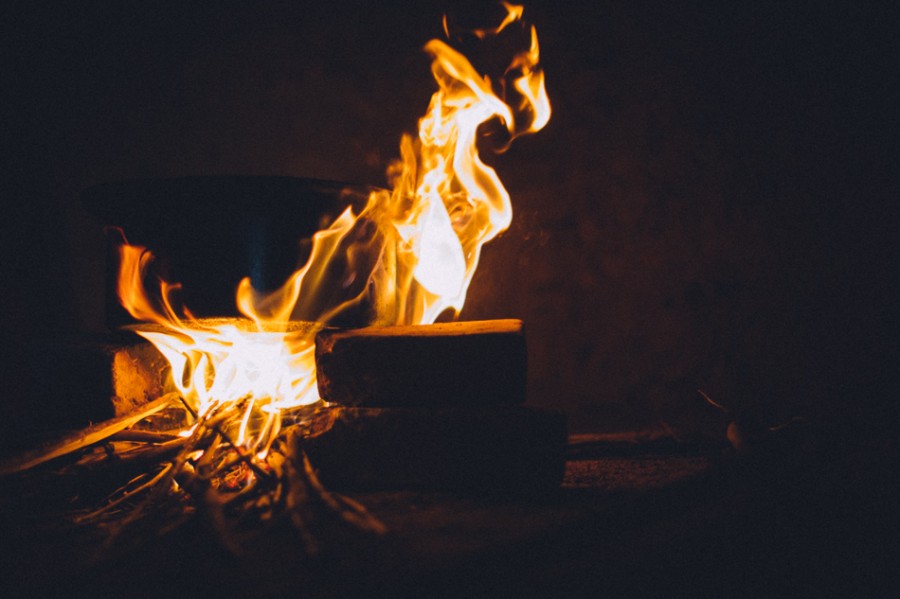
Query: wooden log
x=138 y=374
x=85 y=438
x=513 y=449
x=474 y=363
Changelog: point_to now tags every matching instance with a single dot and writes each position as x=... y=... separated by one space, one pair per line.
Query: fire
x=405 y=258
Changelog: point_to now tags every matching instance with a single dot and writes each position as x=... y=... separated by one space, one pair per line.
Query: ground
x=813 y=517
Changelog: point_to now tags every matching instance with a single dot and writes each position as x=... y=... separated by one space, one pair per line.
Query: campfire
x=341 y=375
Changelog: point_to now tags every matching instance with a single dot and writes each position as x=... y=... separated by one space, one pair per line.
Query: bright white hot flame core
x=408 y=255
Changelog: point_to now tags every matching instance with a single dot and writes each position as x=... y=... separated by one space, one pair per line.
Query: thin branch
x=84 y=438
x=710 y=401
x=126 y=494
x=242 y=454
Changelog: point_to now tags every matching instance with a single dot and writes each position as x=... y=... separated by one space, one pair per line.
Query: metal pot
x=207 y=233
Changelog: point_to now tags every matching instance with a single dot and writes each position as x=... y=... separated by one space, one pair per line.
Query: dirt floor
x=814 y=516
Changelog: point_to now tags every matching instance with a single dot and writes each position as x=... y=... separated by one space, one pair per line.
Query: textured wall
x=710 y=207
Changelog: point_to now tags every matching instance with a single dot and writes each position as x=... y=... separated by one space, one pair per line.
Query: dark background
x=713 y=204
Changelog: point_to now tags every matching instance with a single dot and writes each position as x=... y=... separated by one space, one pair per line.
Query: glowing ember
x=408 y=255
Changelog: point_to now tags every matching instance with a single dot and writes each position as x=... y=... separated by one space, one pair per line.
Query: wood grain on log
x=474 y=363
x=139 y=374
x=502 y=448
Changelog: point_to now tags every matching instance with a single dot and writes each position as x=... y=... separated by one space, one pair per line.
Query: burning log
x=474 y=363
x=498 y=448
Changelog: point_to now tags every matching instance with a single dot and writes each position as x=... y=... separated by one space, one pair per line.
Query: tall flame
x=408 y=255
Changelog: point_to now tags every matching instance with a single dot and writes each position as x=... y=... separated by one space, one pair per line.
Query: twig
x=139 y=436
x=242 y=454
x=350 y=511
x=125 y=495
x=84 y=438
x=146 y=453
x=711 y=402
x=299 y=507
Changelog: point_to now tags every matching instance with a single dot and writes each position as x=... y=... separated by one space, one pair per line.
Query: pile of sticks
x=405 y=407
x=204 y=473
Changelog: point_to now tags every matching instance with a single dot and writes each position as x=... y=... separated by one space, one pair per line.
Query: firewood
x=139 y=373
x=84 y=438
x=503 y=448
x=448 y=364
x=132 y=456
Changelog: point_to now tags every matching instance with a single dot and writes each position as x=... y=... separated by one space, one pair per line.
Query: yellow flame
x=513 y=14
x=408 y=255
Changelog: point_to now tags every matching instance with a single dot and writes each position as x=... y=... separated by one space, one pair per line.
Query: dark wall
x=711 y=206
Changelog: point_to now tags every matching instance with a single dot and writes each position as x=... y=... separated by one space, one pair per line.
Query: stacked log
x=432 y=407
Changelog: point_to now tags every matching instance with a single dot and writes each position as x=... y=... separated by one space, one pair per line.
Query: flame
x=408 y=256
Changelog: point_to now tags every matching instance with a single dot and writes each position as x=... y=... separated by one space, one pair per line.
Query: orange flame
x=408 y=255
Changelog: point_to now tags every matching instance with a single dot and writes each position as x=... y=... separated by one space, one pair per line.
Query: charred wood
x=503 y=449
x=474 y=363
